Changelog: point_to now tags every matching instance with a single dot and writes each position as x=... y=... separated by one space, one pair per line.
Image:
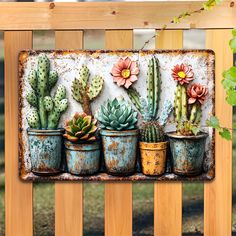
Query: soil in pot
x=187 y=153
x=153 y=157
x=45 y=151
x=120 y=151
x=82 y=158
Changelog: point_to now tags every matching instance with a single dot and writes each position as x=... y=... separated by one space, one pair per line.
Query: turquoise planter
x=120 y=149
x=45 y=151
x=187 y=153
x=82 y=158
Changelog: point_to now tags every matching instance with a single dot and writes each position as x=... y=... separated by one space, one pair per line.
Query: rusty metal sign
x=134 y=101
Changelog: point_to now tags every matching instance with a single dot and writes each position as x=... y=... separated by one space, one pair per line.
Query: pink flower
x=182 y=73
x=197 y=92
x=125 y=72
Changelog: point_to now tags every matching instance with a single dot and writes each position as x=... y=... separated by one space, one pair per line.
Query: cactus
x=46 y=110
x=187 y=104
x=81 y=127
x=85 y=93
x=151 y=132
x=117 y=115
x=152 y=128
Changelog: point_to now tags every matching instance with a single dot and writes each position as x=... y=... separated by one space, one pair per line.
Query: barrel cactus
x=46 y=110
x=117 y=115
x=85 y=93
x=81 y=127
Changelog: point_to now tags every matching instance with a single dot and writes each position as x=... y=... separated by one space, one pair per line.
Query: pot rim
x=153 y=146
x=45 y=131
x=86 y=146
x=177 y=136
x=132 y=132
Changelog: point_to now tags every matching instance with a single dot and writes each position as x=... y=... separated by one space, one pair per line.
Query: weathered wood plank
x=118 y=196
x=18 y=195
x=111 y=15
x=218 y=194
x=168 y=196
x=69 y=196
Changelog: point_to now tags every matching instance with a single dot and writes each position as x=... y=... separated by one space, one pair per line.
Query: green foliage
x=117 y=115
x=46 y=111
x=229 y=84
x=223 y=132
x=81 y=127
x=208 y=5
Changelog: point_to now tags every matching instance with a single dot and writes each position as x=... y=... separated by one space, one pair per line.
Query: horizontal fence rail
x=112 y=15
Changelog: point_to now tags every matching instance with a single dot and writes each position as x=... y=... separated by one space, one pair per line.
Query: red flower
x=182 y=73
x=125 y=72
x=197 y=92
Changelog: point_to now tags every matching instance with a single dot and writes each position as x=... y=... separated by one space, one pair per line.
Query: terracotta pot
x=153 y=157
x=45 y=151
x=120 y=151
x=187 y=153
x=82 y=158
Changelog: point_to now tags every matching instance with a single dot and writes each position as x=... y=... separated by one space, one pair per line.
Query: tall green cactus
x=151 y=130
x=46 y=110
x=85 y=93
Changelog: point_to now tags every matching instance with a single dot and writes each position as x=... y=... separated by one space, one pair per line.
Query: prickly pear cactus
x=46 y=110
x=85 y=93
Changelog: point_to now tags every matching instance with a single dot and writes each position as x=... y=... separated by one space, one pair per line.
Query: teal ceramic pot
x=82 y=158
x=45 y=151
x=187 y=153
x=120 y=150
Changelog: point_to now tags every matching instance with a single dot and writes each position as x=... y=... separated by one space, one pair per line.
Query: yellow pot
x=153 y=157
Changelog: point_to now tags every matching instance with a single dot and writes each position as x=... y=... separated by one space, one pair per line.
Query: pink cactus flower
x=197 y=92
x=183 y=74
x=125 y=72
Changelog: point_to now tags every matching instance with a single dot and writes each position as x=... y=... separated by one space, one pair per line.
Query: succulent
x=117 y=115
x=151 y=132
x=81 y=127
x=85 y=93
x=46 y=110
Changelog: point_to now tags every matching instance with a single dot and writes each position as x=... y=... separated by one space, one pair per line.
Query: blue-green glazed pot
x=187 y=153
x=82 y=158
x=120 y=149
x=45 y=151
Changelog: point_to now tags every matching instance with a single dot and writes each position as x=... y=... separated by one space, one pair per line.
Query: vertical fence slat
x=218 y=194
x=168 y=196
x=69 y=196
x=18 y=195
x=118 y=196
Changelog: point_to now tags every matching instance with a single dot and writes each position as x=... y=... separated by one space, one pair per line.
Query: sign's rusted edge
x=29 y=176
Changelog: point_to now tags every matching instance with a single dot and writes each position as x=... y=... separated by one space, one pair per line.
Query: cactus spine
x=85 y=93
x=46 y=112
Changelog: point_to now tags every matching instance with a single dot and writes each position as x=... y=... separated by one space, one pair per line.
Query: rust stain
x=113 y=146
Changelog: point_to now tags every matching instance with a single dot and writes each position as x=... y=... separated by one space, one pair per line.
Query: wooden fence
x=68 y=20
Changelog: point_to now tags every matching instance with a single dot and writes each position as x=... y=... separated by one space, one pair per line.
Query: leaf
x=232 y=44
x=195 y=130
x=230 y=78
x=213 y=122
x=176 y=20
x=234 y=32
x=231 y=97
x=225 y=133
